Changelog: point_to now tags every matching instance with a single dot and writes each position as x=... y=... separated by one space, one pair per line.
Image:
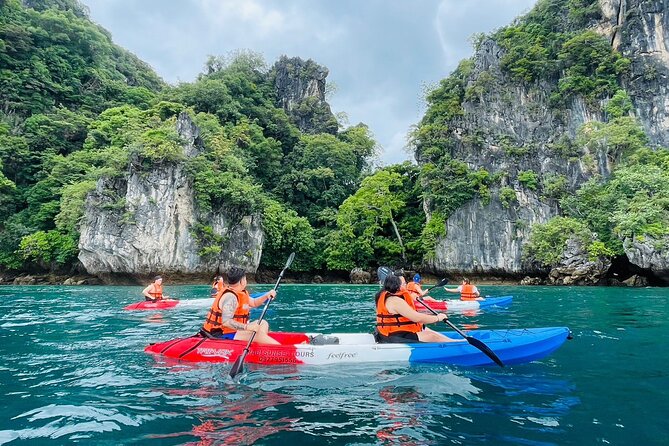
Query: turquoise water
x=73 y=370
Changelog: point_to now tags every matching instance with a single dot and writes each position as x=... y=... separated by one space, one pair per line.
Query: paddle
x=472 y=341
x=238 y=366
x=442 y=282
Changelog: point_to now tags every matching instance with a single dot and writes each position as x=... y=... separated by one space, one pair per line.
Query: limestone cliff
x=300 y=90
x=143 y=223
x=508 y=126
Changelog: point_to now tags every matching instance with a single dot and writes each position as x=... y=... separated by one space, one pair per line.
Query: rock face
x=300 y=91
x=143 y=223
x=649 y=254
x=487 y=239
x=576 y=268
x=358 y=276
x=509 y=127
x=639 y=29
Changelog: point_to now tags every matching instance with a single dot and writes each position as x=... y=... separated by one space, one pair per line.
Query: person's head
x=157 y=280
x=400 y=273
x=236 y=276
x=465 y=281
x=417 y=278
x=392 y=284
x=218 y=279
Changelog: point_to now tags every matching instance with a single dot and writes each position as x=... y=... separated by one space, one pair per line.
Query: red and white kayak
x=153 y=305
x=513 y=346
x=464 y=305
x=171 y=303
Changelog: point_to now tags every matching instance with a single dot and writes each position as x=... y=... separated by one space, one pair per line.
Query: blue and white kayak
x=465 y=305
x=513 y=346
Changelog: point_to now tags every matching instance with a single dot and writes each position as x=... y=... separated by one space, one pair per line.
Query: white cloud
x=264 y=20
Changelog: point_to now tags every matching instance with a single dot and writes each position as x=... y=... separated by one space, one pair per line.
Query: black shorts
x=399 y=337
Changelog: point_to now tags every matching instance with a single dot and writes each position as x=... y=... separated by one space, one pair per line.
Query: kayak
x=463 y=305
x=150 y=305
x=171 y=303
x=513 y=346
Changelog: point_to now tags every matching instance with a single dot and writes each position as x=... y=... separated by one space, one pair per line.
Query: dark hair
x=392 y=284
x=235 y=274
x=157 y=278
x=465 y=280
x=217 y=278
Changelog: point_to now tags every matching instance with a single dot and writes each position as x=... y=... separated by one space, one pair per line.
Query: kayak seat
x=323 y=340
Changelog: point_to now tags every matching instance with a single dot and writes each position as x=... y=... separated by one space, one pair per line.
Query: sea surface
x=73 y=370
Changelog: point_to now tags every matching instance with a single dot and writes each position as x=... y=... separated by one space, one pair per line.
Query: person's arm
x=399 y=306
x=146 y=294
x=258 y=301
x=451 y=290
x=228 y=305
x=476 y=292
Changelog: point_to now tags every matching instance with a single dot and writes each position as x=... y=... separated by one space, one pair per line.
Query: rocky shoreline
x=358 y=277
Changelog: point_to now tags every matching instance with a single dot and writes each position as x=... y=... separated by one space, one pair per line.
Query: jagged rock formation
x=509 y=127
x=649 y=254
x=143 y=223
x=576 y=267
x=300 y=91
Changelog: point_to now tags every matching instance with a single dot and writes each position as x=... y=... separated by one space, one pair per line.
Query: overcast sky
x=381 y=53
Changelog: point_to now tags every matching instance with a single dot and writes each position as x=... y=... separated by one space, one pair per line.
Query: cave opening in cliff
x=622 y=269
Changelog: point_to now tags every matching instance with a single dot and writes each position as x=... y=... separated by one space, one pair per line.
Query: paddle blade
x=238 y=366
x=442 y=282
x=485 y=349
x=382 y=272
x=290 y=260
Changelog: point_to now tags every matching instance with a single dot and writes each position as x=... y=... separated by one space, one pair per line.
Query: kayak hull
x=465 y=305
x=148 y=305
x=171 y=303
x=513 y=346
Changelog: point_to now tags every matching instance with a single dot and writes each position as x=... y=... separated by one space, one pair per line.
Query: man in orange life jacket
x=154 y=292
x=416 y=290
x=467 y=291
x=397 y=320
x=228 y=317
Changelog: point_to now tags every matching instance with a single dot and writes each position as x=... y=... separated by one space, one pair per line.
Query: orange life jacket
x=157 y=292
x=467 y=292
x=217 y=288
x=415 y=289
x=214 y=322
x=388 y=323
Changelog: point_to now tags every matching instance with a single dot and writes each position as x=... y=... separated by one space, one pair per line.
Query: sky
x=381 y=54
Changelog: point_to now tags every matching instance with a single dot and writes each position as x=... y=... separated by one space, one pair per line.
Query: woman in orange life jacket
x=416 y=290
x=154 y=292
x=217 y=287
x=467 y=291
x=228 y=317
x=397 y=320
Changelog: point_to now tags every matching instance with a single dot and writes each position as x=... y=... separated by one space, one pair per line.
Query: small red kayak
x=150 y=305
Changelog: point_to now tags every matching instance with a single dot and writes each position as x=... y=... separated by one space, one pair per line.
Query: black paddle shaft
x=472 y=341
x=238 y=366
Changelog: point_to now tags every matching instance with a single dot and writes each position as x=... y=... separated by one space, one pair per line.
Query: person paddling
x=154 y=292
x=397 y=320
x=416 y=290
x=228 y=317
x=467 y=291
x=218 y=286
